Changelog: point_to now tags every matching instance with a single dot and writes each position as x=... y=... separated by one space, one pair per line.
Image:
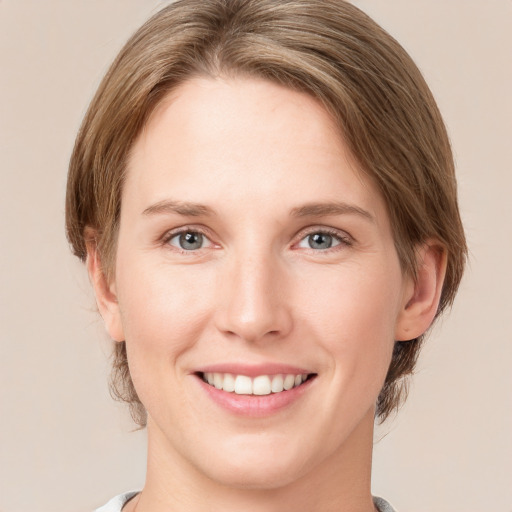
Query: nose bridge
x=254 y=305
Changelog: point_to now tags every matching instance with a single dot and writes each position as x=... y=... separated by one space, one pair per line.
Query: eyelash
x=343 y=239
x=180 y=231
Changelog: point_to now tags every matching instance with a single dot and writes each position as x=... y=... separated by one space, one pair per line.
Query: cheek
x=353 y=316
x=163 y=313
x=163 y=308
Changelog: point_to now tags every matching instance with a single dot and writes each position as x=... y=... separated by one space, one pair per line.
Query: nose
x=253 y=303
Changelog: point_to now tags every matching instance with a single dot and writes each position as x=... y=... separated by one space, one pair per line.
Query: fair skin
x=288 y=267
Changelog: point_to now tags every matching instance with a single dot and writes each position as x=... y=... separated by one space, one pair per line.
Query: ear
x=105 y=291
x=422 y=294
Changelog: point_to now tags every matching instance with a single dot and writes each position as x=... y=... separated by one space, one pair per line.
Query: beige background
x=64 y=445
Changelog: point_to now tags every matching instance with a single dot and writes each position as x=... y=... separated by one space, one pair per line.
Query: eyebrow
x=308 y=210
x=331 y=208
x=179 y=207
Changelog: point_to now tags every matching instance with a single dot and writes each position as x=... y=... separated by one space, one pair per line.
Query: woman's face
x=252 y=249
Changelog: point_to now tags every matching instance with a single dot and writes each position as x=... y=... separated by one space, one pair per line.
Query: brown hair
x=326 y=48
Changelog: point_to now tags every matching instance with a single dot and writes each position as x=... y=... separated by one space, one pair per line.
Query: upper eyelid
x=339 y=233
x=171 y=233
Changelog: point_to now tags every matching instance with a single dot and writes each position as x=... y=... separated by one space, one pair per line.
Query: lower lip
x=255 y=405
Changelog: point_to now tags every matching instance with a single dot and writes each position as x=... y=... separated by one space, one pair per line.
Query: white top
x=117 y=503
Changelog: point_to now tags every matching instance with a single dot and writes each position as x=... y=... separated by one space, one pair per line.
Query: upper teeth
x=260 y=385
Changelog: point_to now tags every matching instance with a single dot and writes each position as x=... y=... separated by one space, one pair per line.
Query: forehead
x=249 y=138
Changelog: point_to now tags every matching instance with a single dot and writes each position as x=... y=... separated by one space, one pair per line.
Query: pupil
x=320 y=241
x=190 y=241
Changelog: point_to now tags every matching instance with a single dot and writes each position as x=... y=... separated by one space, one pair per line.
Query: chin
x=256 y=467
x=265 y=477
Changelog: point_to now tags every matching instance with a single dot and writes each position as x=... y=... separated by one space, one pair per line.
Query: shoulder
x=117 y=503
x=382 y=505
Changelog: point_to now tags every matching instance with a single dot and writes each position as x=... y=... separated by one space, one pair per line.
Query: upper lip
x=252 y=370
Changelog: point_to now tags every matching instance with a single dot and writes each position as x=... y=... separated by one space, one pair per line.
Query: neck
x=340 y=483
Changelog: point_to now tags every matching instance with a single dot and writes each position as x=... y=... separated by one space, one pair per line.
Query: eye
x=188 y=240
x=321 y=240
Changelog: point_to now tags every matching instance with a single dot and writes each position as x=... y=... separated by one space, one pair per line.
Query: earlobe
x=105 y=292
x=422 y=294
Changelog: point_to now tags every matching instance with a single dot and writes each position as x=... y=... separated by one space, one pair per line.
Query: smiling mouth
x=258 y=386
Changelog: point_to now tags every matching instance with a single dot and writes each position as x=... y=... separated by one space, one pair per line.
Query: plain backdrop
x=65 y=445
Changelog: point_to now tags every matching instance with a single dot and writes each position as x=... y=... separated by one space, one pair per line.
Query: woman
x=264 y=194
